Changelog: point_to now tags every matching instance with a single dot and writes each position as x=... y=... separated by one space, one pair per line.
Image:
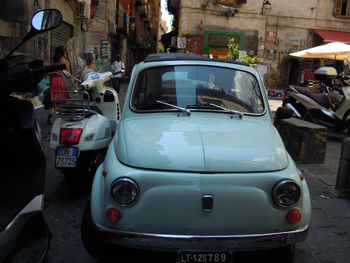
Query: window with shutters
x=60 y=36
x=342 y=8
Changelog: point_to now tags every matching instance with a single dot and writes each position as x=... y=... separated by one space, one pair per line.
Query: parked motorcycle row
x=84 y=127
x=326 y=102
x=80 y=135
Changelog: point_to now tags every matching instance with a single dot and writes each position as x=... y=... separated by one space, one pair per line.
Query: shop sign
x=293 y=41
x=271 y=54
x=181 y=42
x=105 y=48
x=221 y=39
x=271 y=36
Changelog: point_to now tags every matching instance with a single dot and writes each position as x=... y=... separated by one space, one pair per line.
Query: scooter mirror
x=47 y=19
x=42 y=21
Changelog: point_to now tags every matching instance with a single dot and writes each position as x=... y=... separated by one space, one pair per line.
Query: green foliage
x=233 y=49
x=249 y=60
x=233 y=54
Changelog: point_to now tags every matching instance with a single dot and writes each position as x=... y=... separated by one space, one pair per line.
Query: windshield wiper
x=240 y=114
x=174 y=106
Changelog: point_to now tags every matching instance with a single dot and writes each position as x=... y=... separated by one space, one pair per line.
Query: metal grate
x=108 y=132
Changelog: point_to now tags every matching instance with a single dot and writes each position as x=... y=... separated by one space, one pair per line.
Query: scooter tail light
x=70 y=136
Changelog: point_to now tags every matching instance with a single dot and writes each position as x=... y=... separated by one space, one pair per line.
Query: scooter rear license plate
x=66 y=157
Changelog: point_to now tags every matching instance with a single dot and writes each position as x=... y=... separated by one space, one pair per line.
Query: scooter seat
x=321 y=98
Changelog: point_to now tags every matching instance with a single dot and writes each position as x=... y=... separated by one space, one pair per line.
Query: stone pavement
x=329 y=236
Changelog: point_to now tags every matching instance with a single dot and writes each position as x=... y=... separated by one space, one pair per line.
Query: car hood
x=201 y=144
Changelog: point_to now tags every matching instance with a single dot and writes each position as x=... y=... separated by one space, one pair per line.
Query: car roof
x=183 y=56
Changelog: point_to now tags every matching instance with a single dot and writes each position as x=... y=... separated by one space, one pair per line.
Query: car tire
x=92 y=245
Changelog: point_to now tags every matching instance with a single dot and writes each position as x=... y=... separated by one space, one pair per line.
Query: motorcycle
x=326 y=103
x=23 y=232
x=84 y=128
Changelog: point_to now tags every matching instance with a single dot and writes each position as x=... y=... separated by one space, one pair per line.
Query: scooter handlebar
x=50 y=68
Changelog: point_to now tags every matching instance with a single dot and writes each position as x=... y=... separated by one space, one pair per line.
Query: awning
x=333 y=36
x=334 y=50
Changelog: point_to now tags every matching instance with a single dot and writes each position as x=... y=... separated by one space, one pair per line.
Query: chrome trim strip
x=294 y=110
x=196 y=237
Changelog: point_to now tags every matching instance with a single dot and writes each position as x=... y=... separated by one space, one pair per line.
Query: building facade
x=269 y=29
x=102 y=28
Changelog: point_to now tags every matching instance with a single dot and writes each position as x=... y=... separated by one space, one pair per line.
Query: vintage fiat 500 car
x=196 y=167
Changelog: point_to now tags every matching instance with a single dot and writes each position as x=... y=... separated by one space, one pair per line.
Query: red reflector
x=294 y=216
x=70 y=136
x=104 y=172
x=302 y=177
x=113 y=215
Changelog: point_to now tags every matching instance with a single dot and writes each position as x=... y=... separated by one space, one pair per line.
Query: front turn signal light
x=294 y=216
x=113 y=215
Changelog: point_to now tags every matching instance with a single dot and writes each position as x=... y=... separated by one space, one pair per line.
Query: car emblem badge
x=207 y=203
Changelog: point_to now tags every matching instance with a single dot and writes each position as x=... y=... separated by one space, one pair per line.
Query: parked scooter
x=24 y=234
x=84 y=128
x=329 y=105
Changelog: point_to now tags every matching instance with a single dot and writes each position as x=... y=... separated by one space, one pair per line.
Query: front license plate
x=66 y=156
x=204 y=257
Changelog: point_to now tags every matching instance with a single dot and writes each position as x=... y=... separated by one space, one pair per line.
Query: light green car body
x=176 y=159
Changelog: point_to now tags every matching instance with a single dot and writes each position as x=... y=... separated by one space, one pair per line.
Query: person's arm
x=67 y=65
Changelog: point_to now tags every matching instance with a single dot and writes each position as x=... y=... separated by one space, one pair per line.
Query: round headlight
x=286 y=193
x=124 y=191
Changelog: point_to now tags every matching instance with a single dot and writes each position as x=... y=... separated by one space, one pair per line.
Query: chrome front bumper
x=183 y=242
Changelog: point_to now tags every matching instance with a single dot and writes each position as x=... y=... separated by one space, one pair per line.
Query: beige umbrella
x=334 y=50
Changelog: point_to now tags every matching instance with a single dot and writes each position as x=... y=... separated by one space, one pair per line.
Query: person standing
x=117 y=69
x=90 y=67
x=56 y=81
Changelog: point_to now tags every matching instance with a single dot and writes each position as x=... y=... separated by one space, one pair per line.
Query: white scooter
x=85 y=126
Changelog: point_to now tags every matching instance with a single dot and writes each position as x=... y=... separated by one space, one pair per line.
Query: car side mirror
x=283 y=113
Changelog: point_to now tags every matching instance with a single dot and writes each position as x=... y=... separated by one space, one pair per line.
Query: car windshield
x=196 y=88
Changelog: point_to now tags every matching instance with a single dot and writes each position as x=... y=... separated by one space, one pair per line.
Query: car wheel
x=92 y=245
